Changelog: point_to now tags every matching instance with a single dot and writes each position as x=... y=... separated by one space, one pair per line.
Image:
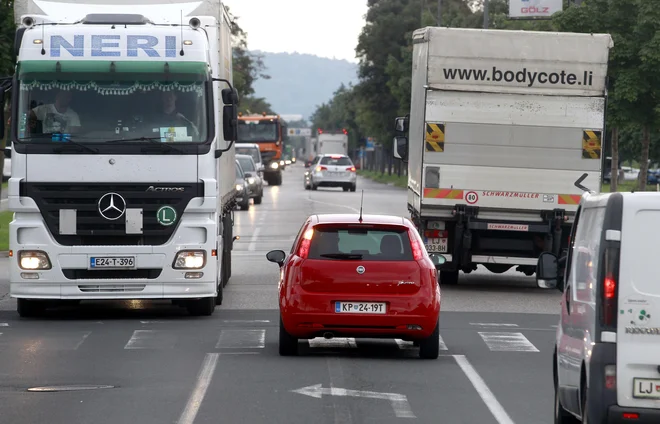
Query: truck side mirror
x=230 y=122
x=401 y=125
x=400 y=149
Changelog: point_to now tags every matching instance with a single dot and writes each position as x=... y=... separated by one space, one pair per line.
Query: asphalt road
x=162 y=366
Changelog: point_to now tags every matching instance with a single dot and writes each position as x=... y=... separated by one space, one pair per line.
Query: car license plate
x=436 y=245
x=117 y=262
x=360 y=308
x=646 y=388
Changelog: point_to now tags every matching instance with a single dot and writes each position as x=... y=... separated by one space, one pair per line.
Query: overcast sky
x=327 y=28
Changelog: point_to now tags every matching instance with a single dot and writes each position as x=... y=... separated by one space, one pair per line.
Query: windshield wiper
x=62 y=147
x=342 y=255
x=153 y=140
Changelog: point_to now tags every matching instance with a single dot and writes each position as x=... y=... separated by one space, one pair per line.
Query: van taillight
x=415 y=246
x=303 y=250
x=610 y=376
x=610 y=282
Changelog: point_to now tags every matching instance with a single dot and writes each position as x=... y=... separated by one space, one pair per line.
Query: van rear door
x=638 y=323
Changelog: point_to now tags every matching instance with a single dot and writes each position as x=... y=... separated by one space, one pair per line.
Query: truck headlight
x=33 y=260
x=239 y=187
x=190 y=259
x=274 y=165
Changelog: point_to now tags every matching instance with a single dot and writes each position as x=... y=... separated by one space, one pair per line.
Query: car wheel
x=257 y=200
x=288 y=343
x=28 y=308
x=201 y=307
x=561 y=416
x=429 y=348
x=314 y=187
x=353 y=188
x=448 y=278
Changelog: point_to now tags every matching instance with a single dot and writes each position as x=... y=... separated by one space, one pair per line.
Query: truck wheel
x=314 y=187
x=201 y=307
x=278 y=179
x=28 y=308
x=448 y=278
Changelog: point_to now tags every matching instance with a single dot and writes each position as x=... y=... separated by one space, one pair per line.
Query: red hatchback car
x=365 y=278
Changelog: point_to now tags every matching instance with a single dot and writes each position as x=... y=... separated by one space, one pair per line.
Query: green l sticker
x=166 y=216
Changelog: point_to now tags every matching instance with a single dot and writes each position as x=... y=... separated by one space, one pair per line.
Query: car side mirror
x=437 y=259
x=400 y=148
x=276 y=256
x=547 y=271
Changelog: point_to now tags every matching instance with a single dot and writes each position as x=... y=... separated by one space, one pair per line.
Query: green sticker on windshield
x=166 y=216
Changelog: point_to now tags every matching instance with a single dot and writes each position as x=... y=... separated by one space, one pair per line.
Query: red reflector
x=435 y=234
x=610 y=382
x=630 y=416
x=610 y=288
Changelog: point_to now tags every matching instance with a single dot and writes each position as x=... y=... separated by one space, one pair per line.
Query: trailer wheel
x=449 y=278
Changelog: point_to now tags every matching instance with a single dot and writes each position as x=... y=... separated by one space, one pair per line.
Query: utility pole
x=439 y=12
x=485 y=14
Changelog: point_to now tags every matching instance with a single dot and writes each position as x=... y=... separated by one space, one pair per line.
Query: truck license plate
x=116 y=262
x=359 y=308
x=646 y=388
x=436 y=245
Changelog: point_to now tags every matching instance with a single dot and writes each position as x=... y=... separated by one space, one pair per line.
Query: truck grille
x=268 y=156
x=92 y=228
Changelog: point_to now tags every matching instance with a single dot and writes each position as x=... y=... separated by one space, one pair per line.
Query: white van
x=606 y=363
x=251 y=149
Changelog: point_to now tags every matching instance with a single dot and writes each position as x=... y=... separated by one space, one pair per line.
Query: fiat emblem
x=360 y=269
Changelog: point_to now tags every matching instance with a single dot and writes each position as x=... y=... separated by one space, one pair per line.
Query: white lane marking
x=337 y=342
x=153 y=322
x=335 y=205
x=253 y=240
x=151 y=339
x=240 y=353
x=404 y=345
x=341 y=411
x=399 y=402
x=241 y=339
x=82 y=340
x=4 y=324
x=197 y=396
x=67 y=341
x=492 y=324
x=508 y=342
x=246 y=321
x=484 y=392
x=554 y=326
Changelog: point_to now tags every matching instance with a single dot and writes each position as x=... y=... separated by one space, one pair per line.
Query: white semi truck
x=123 y=166
x=501 y=126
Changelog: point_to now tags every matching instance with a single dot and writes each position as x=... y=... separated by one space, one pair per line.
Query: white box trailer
x=123 y=165
x=501 y=125
x=332 y=143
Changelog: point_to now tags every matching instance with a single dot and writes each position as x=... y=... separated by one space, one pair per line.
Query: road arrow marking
x=399 y=402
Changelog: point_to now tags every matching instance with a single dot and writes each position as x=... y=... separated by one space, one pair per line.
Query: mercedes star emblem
x=112 y=206
x=360 y=269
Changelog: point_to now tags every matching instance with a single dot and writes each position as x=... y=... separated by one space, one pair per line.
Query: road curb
x=4 y=254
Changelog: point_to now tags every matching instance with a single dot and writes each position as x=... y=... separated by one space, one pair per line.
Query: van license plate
x=436 y=245
x=646 y=388
x=359 y=308
x=116 y=262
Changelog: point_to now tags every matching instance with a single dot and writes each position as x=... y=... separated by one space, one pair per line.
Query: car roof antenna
x=361 y=202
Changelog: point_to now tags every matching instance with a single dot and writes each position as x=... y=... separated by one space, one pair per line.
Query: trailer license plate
x=359 y=308
x=436 y=245
x=116 y=262
x=646 y=388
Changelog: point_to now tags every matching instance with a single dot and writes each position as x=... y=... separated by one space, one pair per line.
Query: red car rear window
x=381 y=244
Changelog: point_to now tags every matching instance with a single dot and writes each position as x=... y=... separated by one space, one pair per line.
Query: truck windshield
x=257 y=131
x=136 y=100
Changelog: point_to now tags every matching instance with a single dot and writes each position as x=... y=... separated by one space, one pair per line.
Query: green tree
x=340 y=112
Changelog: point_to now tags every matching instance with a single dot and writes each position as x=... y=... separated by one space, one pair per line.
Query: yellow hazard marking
x=591 y=144
x=435 y=137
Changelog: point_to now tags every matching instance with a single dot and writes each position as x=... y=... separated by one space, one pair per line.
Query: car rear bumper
x=646 y=416
x=309 y=325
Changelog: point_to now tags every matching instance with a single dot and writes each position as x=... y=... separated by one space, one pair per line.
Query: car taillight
x=352 y=169
x=610 y=376
x=610 y=282
x=415 y=246
x=321 y=168
x=303 y=251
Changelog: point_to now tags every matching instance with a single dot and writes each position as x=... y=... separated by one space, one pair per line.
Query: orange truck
x=268 y=132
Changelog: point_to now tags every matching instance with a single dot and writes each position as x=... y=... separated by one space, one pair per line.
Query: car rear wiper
x=64 y=147
x=153 y=140
x=342 y=255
